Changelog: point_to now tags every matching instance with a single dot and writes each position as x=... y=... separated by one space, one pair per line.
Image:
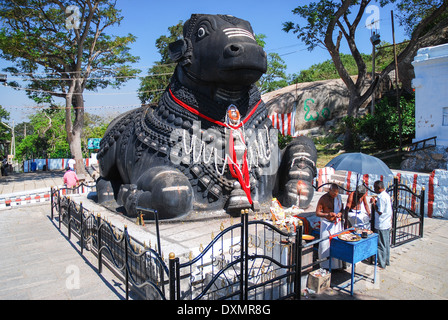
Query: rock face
x=316 y=103
x=426 y=160
x=208 y=145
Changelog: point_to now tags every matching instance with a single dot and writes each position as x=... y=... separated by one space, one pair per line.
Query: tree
x=275 y=76
x=69 y=44
x=328 y=22
x=95 y=126
x=46 y=137
x=326 y=70
x=154 y=84
x=5 y=133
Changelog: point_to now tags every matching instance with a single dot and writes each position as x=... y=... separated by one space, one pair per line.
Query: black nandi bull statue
x=209 y=143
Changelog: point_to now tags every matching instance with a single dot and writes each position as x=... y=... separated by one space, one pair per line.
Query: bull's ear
x=177 y=49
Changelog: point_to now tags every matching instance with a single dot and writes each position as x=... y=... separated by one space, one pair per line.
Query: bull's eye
x=201 y=32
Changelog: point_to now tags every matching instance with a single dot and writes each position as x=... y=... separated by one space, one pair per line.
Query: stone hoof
x=297 y=192
x=170 y=194
x=301 y=170
x=301 y=149
x=126 y=190
x=104 y=190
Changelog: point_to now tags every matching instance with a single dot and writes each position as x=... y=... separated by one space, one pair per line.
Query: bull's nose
x=233 y=50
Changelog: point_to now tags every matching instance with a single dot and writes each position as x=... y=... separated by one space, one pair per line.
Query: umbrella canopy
x=360 y=163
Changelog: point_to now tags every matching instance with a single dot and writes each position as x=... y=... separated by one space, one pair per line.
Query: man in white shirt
x=71 y=164
x=383 y=223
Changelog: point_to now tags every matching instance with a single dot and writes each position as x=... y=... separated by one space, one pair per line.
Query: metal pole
x=52 y=202
x=176 y=263
x=395 y=206
x=246 y=253
x=298 y=261
x=81 y=240
x=172 y=277
x=159 y=248
x=156 y=218
x=100 y=254
x=126 y=270
x=422 y=211
x=396 y=81
x=69 y=219
x=242 y=256
x=372 y=110
x=59 y=206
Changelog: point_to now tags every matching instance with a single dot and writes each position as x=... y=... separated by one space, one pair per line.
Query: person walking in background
x=383 y=222
x=72 y=164
x=70 y=178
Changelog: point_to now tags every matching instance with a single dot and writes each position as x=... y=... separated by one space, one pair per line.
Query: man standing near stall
x=329 y=210
x=383 y=222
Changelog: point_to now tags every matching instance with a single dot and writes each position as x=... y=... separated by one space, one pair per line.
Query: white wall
x=431 y=93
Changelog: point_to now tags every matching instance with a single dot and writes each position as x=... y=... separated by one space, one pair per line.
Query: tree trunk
x=354 y=103
x=74 y=127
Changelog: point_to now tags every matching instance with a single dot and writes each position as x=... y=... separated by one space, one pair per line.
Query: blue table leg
x=374 y=272
x=353 y=278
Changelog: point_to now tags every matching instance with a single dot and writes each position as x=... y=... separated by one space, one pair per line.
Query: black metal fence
x=249 y=260
x=252 y=260
x=136 y=264
x=408 y=211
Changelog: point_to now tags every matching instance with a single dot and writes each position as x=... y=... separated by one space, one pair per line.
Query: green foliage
x=5 y=132
x=60 y=61
x=46 y=136
x=385 y=54
x=317 y=16
x=283 y=141
x=275 y=77
x=383 y=127
x=153 y=85
x=34 y=37
x=94 y=127
x=411 y=12
x=326 y=70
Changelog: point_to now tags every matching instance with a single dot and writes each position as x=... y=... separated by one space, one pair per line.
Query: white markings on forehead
x=238 y=32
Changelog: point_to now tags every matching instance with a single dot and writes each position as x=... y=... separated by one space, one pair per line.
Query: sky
x=149 y=19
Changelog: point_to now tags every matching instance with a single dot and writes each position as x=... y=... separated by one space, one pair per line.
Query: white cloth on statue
x=359 y=218
x=328 y=228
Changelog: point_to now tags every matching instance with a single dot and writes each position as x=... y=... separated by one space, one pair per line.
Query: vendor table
x=354 y=251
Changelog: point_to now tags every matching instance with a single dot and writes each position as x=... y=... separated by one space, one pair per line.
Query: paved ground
x=32 y=267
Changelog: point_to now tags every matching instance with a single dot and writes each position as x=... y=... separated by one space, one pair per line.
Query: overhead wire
x=73 y=72
x=87 y=93
x=15 y=77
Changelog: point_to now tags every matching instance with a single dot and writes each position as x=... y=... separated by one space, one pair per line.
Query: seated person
x=329 y=210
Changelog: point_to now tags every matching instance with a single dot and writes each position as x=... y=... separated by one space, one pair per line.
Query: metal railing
x=136 y=264
x=248 y=260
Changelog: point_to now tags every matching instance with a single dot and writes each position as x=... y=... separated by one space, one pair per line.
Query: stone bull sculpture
x=208 y=144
